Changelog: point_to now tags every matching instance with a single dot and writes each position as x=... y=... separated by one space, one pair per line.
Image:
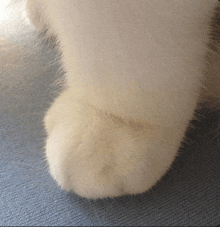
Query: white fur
x=134 y=71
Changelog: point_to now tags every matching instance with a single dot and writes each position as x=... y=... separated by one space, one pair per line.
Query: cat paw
x=97 y=155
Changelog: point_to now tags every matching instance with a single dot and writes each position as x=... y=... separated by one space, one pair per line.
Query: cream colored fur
x=134 y=73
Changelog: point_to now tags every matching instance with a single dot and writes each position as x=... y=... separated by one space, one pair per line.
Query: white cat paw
x=97 y=155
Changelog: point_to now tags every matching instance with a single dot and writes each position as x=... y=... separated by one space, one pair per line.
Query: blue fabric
x=188 y=195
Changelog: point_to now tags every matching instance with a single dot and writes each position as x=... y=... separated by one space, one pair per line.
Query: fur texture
x=135 y=71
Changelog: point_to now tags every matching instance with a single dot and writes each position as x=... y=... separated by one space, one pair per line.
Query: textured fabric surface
x=188 y=195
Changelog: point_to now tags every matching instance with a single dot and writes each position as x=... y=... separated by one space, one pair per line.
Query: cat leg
x=134 y=73
x=35 y=10
x=35 y=14
x=134 y=79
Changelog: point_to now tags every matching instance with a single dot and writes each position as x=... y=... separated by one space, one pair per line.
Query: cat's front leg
x=134 y=71
x=99 y=155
